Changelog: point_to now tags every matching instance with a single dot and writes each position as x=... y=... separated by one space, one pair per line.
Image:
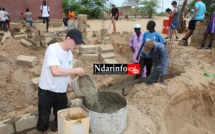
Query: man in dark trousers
x=151 y=34
x=55 y=77
x=45 y=14
x=160 y=58
x=115 y=17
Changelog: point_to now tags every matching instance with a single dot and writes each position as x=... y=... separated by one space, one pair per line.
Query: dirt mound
x=186 y=105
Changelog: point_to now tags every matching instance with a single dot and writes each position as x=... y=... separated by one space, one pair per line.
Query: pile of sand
x=185 y=106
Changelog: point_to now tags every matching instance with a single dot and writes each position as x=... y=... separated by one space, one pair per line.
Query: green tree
x=133 y=3
x=149 y=7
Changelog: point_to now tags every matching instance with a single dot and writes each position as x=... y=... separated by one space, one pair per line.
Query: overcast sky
x=167 y=4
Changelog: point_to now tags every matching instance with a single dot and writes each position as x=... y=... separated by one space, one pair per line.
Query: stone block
x=87 y=49
x=90 y=57
x=14 y=26
x=19 y=37
x=196 y=32
x=202 y=28
x=30 y=40
x=28 y=27
x=103 y=32
x=82 y=16
x=110 y=61
x=39 y=26
x=29 y=34
x=41 y=33
x=26 y=43
x=105 y=48
x=6 y=128
x=36 y=33
x=26 y=122
x=30 y=61
x=201 y=32
x=107 y=56
x=35 y=82
x=43 y=44
x=38 y=44
x=202 y=23
x=1 y=33
x=37 y=38
x=182 y=43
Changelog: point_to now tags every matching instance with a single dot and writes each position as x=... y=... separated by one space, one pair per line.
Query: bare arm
x=64 y=72
x=195 y=12
x=139 y=51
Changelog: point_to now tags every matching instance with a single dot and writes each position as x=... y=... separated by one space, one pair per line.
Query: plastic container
x=76 y=122
x=75 y=87
x=109 y=123
x=165 y=26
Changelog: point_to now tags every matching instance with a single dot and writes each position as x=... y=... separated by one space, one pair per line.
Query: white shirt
x=2 y=18
x=6 y=14
x=55 y=56
x=45 y=10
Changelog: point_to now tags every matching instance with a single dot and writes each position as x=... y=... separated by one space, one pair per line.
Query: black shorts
x=47 y=100
x=192 y=24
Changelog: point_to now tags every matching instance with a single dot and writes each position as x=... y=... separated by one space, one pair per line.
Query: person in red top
x=169 y=11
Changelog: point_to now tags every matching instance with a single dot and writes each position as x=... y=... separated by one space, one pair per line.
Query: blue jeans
x=30 y=21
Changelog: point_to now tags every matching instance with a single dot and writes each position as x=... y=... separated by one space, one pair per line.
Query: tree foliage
x=93 y=8
x=149 y=7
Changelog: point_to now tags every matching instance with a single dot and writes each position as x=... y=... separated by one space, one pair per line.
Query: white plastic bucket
x=76 y=122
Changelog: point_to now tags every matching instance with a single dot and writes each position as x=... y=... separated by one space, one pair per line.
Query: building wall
x=14 y=7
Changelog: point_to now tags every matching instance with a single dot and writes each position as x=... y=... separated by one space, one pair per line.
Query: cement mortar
x=89 y=91
x=109 y=101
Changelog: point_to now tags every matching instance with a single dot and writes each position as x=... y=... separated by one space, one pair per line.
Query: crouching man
x=160 y=58
x=55 y=77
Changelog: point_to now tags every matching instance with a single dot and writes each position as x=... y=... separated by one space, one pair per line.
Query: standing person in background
x=210 y=30
x=198 y=14
x=65 y=19
x=28 y=17
x=135 y=44
x=175 y=21
x=169 y=11
x=7 y=19
x=45 y=14
x=2 y=20
x=72 y=19
x=115 y=17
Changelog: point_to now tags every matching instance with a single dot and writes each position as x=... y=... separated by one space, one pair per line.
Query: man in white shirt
x=45 y=14
x=55 y=77
x=2 y=20
x=7 y=19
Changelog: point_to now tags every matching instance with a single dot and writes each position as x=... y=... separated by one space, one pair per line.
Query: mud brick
x=30 y=61
x=90 y=57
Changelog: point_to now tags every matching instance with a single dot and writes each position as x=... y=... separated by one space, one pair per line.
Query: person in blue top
x=149 y=35
x=198 y=14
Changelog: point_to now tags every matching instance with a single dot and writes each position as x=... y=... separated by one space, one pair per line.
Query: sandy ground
x=185 y=106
